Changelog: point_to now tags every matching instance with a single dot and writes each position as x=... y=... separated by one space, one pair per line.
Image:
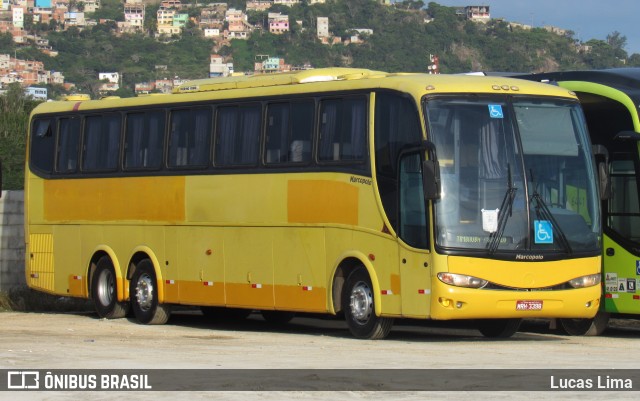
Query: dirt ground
x=191 y=341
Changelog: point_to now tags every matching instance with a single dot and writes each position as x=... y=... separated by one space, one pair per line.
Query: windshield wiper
x=543 y=213
x=504 y=212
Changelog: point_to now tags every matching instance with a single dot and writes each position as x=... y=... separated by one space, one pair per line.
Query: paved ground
x=191 y=341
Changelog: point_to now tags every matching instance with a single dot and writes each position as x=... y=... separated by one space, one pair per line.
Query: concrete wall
x=12 y=240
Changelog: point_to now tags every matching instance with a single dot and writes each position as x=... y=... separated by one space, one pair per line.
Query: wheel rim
x=144 y=292
x=106 y=287
x=361 y=302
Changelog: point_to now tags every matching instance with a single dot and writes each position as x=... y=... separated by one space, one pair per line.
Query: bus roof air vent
x=285 y=78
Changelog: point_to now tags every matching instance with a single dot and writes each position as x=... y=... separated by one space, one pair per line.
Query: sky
x=588 y=19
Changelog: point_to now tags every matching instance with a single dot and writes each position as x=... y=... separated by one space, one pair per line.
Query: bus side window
x=289 y=130
x=42 y=145
x=277 y=133
x=101 y=143
x=343 y=130
x=144 y=139
x=237 y=135
x=302 y=122
x=189 y=139
x=68 y=145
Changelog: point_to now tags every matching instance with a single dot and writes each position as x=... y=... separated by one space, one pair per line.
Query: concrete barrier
x=12 y=240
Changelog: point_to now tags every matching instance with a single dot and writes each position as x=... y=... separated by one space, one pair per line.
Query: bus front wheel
x=104 y=291
x=499 y=328
x=144 y=295
x=358 y=307
x=586 y=327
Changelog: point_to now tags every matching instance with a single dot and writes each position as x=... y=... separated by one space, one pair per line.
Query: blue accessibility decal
x=495 y=111
x=543 y=231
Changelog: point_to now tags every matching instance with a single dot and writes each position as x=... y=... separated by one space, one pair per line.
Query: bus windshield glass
x=517 y=175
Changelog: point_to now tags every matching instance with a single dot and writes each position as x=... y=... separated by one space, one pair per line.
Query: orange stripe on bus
x=115 y=199
x=319 y=201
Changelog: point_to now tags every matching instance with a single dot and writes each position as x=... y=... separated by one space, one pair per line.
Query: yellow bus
x=336 y=191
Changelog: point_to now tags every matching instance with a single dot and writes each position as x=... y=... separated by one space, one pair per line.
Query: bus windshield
x=516 y=173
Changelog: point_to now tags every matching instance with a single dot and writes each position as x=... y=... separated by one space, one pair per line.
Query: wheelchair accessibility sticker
x=543 y=231
x=495 y=111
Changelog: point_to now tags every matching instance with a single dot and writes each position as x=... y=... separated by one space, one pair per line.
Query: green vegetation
x=14 y=114
x=402 y=41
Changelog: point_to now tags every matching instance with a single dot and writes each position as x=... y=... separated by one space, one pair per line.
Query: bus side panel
x=621 y=279
x=200 y=266
x=70 y=272
x=415 y=269
x=300 y=275
x=40 y=265
x=248 y=261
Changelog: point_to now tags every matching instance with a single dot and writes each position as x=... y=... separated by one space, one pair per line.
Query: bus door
x=413 y=230
x=622 y=234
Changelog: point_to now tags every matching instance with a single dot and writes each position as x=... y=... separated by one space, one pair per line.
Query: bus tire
x=277 y=317
x=143 y=292
x=104 y=291
x=498 y=328
x=586 y=327
x=358 y=307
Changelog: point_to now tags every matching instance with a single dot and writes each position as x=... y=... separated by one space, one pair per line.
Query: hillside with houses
x=105 y=47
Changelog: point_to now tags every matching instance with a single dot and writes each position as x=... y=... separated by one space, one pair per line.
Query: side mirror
x=430 y=167
x=604 y=183
x=431 y=179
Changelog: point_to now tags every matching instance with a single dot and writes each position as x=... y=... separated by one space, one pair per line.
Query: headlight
x=460 y=280
x=585 y=281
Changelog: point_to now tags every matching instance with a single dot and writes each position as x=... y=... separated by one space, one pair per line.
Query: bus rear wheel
x=143 y=292
x=104 y=291
x=358 y=307
x=586 y=327
x=499 y=328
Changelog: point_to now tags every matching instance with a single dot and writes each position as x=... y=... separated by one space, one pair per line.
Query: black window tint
x=144 y=140
x=238 y=135
x=68 y=145
x=413 y=223
x=190 y=138
x=289 y=130
x=42 y=145
x=397 y=124
x=343 y=129
x=101 y=143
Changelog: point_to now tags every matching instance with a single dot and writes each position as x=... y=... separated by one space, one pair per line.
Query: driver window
x=413 y=216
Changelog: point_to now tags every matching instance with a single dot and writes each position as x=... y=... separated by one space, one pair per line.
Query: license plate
x=528 y=305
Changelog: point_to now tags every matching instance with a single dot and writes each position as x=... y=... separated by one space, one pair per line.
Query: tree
x=602 y=55
x=14 y=116
x=6 y=43
x=410 y=4
x=617 y=42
